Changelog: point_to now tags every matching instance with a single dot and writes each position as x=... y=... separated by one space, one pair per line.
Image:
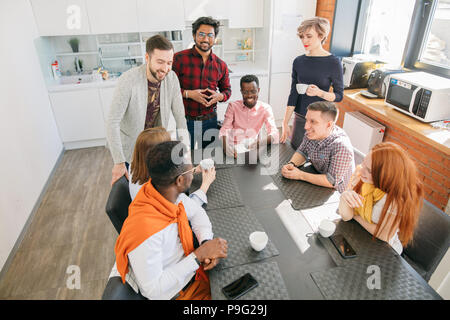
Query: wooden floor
x=69 y=228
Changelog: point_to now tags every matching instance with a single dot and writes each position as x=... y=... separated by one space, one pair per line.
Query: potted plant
x=78 y=65
x=74 y=42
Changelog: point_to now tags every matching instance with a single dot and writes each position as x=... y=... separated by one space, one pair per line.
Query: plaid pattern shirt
x=332 y=156
x=193 y=74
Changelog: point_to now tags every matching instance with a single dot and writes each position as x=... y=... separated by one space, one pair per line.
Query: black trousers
x=298 y=130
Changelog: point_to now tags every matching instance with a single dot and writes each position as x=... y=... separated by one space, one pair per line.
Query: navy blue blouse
x=323 y=71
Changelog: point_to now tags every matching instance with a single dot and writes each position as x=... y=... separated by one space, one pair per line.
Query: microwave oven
x=421 y=95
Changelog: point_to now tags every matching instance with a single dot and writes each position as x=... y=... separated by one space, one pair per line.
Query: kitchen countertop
x=56 y=87
x=435 y=137
x=242 y=70
x=237 y=71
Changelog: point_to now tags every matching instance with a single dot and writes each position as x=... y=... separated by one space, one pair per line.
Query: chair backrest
x=431 y=239
x=116 y=290
x=118 y=202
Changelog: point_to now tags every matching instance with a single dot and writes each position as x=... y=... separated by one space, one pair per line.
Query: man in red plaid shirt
x=328 y=148
x=201 y=73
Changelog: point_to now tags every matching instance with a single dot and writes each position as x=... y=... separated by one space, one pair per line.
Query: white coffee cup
x=240 y=148
x=249 y=142
x=258 y=240
x=207 y=164
x=301 y=88
x=326 y=228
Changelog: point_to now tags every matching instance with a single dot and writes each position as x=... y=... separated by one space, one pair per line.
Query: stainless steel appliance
x=356 y=71
x=379 y=81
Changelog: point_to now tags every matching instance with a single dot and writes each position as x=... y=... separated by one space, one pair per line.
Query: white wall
x=30 y=141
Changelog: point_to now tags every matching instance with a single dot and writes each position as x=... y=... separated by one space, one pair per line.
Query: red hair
x=395 y=173
x=144 y=142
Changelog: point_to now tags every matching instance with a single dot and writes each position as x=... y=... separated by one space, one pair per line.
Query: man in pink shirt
x=244 y=120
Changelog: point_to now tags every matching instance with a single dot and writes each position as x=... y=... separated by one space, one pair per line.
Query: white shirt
x=394 y=242
x=158 y=267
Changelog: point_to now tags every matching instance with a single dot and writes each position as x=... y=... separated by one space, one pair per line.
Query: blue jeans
x=197 y=131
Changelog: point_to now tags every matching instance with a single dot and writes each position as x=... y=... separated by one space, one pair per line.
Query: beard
x=154 y=73
x=199 y=46
x=186 y=188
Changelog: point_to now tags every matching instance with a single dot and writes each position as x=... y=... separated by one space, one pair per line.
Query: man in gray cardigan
x=144 y=97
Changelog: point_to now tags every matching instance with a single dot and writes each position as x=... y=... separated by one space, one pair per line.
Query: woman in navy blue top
x=317 y=68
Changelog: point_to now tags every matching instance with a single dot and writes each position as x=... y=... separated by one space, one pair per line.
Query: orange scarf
x=148 y=214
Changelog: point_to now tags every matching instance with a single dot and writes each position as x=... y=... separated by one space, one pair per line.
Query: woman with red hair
x=385 y=195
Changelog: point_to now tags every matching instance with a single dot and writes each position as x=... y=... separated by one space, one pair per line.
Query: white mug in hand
x=249 y=143
x=207 y=164
x=302 y=87
x=240 y=148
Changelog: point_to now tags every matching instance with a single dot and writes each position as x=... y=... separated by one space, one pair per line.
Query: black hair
x=165 y=162
x=157 y=42
x=249 y=78
x=208 y=21
x=326 y=107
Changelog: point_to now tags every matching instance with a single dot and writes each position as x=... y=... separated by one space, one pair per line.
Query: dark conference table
x=305 y=260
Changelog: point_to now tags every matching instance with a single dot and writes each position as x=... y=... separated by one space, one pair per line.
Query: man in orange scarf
x=155 y=249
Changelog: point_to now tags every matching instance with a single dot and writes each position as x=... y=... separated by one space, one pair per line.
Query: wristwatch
x=195 y=257
x=290 y=162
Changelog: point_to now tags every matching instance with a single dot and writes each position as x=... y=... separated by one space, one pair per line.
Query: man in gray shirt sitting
x=328 y=148
x=144 y=97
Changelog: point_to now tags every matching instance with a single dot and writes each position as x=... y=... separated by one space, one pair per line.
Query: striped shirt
x=332 y=156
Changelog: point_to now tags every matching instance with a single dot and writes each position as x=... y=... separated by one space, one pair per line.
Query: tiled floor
x=69 y=228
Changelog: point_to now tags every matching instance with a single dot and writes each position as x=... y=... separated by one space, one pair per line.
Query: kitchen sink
x=82 y=78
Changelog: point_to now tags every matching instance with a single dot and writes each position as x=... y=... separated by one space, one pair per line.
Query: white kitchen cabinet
x=164 y=15
x=112 y=16
x=240 y=13
x=280 y=87
x=61 y=17
x=235 y=95
x=193 y=9
x=264 y=86
x=245 y=14
x=106 y=97
x=78 y=115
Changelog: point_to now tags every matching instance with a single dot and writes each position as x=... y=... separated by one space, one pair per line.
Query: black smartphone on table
x=344 y=248
x=240 y=287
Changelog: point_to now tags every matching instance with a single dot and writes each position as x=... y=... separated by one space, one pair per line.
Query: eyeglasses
x=246 y=93
x=193 y=171
x=202 y=35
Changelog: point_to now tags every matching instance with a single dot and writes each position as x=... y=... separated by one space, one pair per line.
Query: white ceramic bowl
x=326 y=228
x=258 y=240
x=207 y=164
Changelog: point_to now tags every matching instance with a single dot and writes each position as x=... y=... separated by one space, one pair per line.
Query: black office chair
x=118 y=202
x=116 y=290
x=431 y=241
x=117 y=209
